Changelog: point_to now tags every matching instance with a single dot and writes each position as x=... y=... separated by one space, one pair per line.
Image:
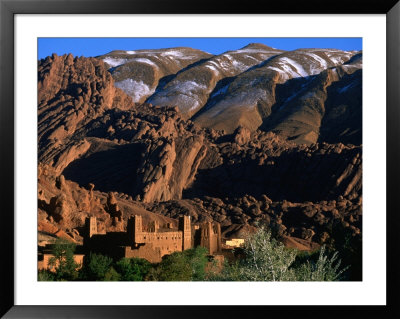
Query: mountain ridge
x=284 y=151
x=237 y=88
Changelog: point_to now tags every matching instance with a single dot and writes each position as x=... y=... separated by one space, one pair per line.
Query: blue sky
x=97 y=46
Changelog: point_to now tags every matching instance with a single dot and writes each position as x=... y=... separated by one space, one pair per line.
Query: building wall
x=167 y=242
x=148 y=252
x=186 y=228
x=91 y=226
x=235 y=242
x=154 y=244
x=210 y=237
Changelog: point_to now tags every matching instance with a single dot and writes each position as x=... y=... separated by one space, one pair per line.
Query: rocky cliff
x=251 y=137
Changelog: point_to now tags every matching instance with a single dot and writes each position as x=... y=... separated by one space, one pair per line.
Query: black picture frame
x=9 y=8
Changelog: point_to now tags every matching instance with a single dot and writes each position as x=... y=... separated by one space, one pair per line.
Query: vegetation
x=350 y=250
x=95 y=267
x=132 y=269
x=188 y=265
x=263 y=258
x=63 y=261
x=266 y=259
x=323 y=269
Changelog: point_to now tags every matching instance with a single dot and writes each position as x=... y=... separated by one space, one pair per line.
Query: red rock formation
x=102 y=155
x=72 y=92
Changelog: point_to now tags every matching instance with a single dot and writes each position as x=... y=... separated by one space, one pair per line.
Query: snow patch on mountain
x=283 y=75
x=299 y=69
x=235 y=63
x=350 y=68
x=184 y=94
x=177 y=54
x=187 y=86
x=212 y=68
x=135 y=89
x=291 y=68
x=114 y=61
x=322 y=63
x=144 y=60
x=251 y=57
x=338 y=57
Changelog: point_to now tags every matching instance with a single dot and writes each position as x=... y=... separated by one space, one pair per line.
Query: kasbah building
x=152 y=244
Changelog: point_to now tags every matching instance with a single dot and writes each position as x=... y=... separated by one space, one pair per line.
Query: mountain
x=251 y=87
x=256 y=136
x=139 y=73
x=286 y=94
x=193 y=87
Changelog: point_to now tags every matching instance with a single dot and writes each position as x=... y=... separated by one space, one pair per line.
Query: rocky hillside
x=251 y=87
x=140 y=73
x=251 y=137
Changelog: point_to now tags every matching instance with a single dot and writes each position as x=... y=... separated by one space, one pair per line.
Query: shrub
x=181 y=266
x=197 y=258
x=173 y=267
x=112 y=275
x=63 y=261
x=95 y=267
x=266 y=259
x=325 y=268
x=132 y=269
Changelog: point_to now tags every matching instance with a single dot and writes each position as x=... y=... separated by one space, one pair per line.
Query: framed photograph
x=179 y=160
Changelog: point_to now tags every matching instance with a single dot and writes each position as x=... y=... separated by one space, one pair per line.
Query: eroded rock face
x=64 y=206
x=169 y=168
x=152 y=154
x=315 y=222
x=148 y=152
x=72 y=92
x=268 y=164
x=291 y=160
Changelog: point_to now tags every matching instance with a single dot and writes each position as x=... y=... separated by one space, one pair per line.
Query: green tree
x=63 y=261
x=112 y=275
x=173 y=267
x=266 y=259
x=198 y=260
x=95 y=267
x=132 y=269
x=181 y=266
